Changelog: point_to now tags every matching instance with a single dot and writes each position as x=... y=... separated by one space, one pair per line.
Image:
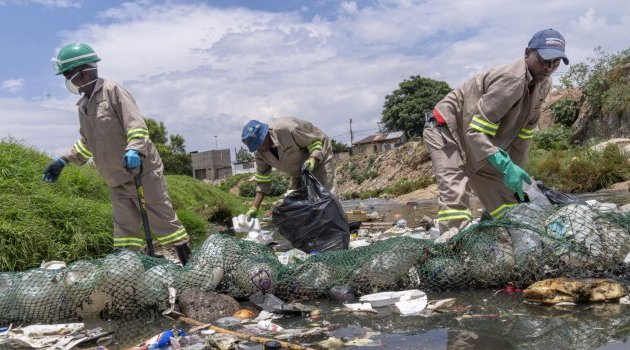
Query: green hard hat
x=72 y=56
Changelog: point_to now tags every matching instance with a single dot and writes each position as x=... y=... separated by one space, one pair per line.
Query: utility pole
x=216 y=143
x=351 y=133
x=351 y=136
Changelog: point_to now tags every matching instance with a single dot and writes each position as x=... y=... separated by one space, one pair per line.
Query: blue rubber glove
x=513 y=175
x=132 y=159
x=53 y=170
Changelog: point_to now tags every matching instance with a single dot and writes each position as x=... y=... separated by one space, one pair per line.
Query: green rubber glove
x=513 y=175
x=309 y=165
x=252 y=212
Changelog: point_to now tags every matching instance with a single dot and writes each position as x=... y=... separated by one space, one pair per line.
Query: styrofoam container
x=409 y=307
x=390 y=298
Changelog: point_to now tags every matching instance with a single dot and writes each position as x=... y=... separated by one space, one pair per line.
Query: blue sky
x=206 y=67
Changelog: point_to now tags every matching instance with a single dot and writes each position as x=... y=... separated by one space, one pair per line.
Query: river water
x=481 y=319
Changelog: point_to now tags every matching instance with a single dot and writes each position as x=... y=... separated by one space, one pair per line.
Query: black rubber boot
x=183 y=253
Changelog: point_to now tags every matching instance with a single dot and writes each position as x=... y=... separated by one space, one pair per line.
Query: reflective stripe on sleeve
x=315 y=145
x=137 y=133
x=82 y=150
x=526 y=134
x=484 y=126
x=263 y=178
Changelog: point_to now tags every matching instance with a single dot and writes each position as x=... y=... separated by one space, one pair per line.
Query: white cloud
x=48 y=3
x=205 y=71
x=349 y=7
x=13 y=85
x=49 y=127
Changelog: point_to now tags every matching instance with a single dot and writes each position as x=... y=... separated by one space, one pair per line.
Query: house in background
x=378 y=143
x=244 y=168
x=211 y=165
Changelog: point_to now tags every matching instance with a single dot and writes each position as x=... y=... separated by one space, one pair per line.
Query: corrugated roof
x=380 y=137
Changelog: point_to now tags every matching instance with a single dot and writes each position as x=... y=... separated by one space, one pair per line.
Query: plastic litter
x=292 y=256
x=535 y=194
x=603 y=207
x=410 y=307
x=267 y=325
x=360 y=307
x=343 y=293
x=557 y=197
x=53 y=265
x=59 y=336
x=243 y=224
x=228 y=321
x=161 y=340
x=271 y=345
x=434 y=232
x=271 y=303
x=359 y=243
x=402 y=223
x=390 y=298
x=441 y=304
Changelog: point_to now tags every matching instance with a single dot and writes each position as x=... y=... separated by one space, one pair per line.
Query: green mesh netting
x=530 y=243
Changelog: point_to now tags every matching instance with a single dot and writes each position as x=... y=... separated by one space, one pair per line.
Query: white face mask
x=72 y=87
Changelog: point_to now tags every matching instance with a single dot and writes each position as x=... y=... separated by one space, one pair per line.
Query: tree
x=177 y=143
x=405 y=108
x=176 y=160
x=243 y=156
x=338 y=147
x=157 y=131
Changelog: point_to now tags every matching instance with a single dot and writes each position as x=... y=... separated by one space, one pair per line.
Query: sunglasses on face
x=548 y=63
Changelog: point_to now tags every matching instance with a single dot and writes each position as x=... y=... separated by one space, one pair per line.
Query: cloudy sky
x=206 y=67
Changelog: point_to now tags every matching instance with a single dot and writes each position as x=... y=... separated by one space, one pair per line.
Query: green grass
x=71 y=219
x=231 y=181
x=579 y=169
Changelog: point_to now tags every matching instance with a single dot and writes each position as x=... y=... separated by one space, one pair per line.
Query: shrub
x=195 y=225
x=279 y=185
x=556 y=137
x=565 y=111
x=360 y=175
x=579 y=169
x=247 y=189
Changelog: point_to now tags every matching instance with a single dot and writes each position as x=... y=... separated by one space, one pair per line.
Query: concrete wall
x=211 y=165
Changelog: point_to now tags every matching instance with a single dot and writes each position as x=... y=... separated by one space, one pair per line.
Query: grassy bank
x=398 y=188
x=579 y=169
x=71 y=219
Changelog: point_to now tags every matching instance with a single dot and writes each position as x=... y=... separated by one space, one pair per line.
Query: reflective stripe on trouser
x=495 y=197
x=163 y=221
x=453 y=201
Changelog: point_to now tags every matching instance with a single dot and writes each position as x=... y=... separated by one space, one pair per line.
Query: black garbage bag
x=557 y=197
x=311 y=218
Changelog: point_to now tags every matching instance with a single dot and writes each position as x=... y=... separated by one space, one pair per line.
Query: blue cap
x=254 y=133
x=550 y=45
